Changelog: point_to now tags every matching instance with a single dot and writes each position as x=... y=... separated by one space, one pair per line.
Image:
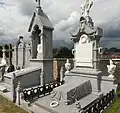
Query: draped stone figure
x=85 y=8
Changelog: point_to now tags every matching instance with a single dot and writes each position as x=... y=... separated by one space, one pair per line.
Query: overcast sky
x=15 y=16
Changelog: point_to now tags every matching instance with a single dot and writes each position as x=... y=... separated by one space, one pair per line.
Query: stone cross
x=10 y=67
x=10 y=50
x=4 y=61
x=42 y=78
x=38 y=1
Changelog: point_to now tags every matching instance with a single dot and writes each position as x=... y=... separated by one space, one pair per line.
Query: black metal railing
x=37 y=92
x=101 y=104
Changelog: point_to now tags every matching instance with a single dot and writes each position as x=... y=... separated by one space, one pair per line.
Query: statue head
x=36 y=27
x=82 y=19
x=36 y=30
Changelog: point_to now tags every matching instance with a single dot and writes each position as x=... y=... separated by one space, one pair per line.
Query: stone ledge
x=41 y=59
x=106 y=78
x=22 y=72
x=87 y=71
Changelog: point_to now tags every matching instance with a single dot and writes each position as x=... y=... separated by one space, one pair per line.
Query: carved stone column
x=13 y=87
x=62 y=75
x=42 y=81
x=18 y=94
x=42 y=45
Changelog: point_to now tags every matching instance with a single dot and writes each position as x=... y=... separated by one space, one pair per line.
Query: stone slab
x=44 y=102
x=72 y=89
x=84 y=55
x=22 y=71
x=85 y=71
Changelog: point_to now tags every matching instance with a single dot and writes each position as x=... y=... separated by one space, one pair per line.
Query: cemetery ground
x=115 y=107
x=7 y=106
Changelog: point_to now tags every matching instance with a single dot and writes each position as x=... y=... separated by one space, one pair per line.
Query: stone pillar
x=23 y=66
x=61 y=74
x=14 y=87
x=95 y=55
x=16 y=56
x=31 y=46
x=18 y=93
x=42 y=79
x=10 y=54
x=42 y=45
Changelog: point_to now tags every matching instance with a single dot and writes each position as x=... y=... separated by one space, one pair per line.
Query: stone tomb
x=67 y=96
x=41 y=38
x=20 y=56
x=28 y=77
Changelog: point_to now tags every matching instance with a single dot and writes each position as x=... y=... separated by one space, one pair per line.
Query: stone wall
x=57 y=64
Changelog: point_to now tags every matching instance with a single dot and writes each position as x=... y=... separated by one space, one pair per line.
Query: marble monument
x=41 y=40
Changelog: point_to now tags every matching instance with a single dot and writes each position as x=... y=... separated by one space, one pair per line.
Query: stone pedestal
x=46 y=65
x=42 y=35
x=86 y=74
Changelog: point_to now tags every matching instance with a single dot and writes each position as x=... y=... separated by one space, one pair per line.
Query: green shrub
x=118 y=91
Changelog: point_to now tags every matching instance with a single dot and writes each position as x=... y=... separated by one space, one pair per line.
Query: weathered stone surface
x=3 y=88
x=72 y=91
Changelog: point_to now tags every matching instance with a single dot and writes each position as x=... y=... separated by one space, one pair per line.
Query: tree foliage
x=63 y=52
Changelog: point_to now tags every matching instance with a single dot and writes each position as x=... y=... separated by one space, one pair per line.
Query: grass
x=7 y=106
x=115 y=107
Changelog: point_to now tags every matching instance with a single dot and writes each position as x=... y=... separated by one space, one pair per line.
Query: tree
x=63 y=52
x=0 y=51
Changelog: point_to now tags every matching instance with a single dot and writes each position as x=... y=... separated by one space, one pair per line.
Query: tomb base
x=86 y=74
x=46 y=65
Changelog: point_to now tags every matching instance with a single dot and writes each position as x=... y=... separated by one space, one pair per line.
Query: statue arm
x=90 y=5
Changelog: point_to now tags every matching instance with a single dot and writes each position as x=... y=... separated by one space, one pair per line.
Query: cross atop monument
x=38 y=1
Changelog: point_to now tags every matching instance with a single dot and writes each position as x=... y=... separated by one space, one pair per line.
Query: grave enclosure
x=82 y=89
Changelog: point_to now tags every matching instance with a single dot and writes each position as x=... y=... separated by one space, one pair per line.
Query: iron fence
x=37 y=92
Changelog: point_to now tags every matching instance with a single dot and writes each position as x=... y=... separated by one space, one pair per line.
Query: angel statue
x=85 y=8
x=38 y=1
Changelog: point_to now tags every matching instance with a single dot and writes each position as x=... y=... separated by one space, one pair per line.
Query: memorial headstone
x=41 y=40
x=20 y=53
x=10 y=66
x=86 y=49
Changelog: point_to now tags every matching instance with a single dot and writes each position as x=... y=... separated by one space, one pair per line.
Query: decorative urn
x=111 y=69
x=67 y=66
